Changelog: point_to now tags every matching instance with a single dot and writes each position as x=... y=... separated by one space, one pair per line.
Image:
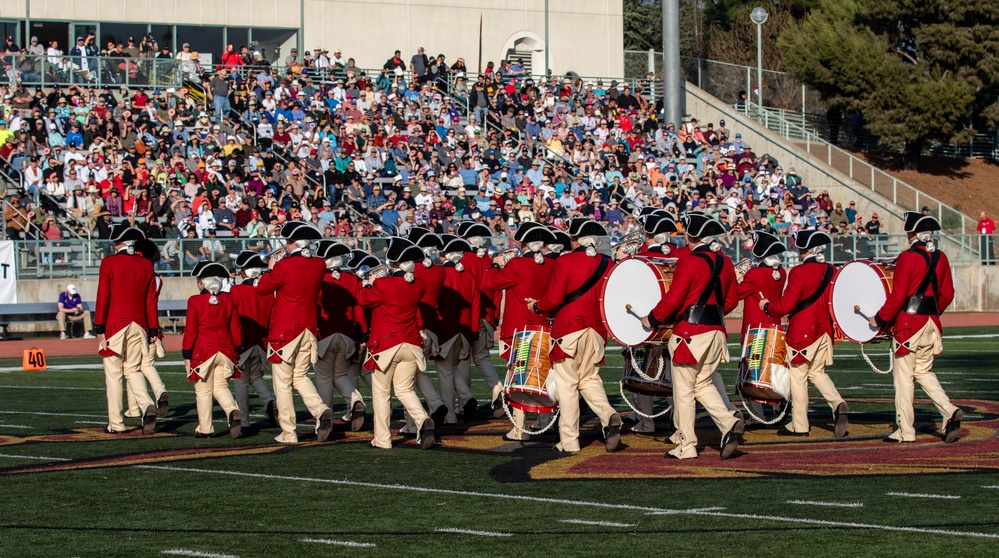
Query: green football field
x=67 y=489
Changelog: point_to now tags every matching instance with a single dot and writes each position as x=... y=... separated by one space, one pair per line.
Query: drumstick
x=632 y=312
x=856 y=309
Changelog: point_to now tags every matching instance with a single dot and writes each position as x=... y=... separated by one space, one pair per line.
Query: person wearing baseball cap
x=71 y=309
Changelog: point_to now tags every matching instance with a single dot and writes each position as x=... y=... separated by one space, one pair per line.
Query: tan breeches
x=294 y=375
x=815 y=372
x=333 y=370
x=700 y=383
x=917 y=366
x=127 y=365
x=214 y=384
x=399 y=374
x=252 y=365
x=580 y=375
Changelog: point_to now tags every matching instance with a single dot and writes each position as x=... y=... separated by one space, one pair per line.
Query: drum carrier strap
x=814 y=297
x=920 y=304
x=585 y=287
x=702 y=313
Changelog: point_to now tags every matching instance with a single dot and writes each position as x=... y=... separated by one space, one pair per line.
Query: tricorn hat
x=524 y=228
x=332 y=249
x=457 y=245
x=397 y=245
x=210 y=269
x=659 y=224
x=561 y=237
x=297 y=230
x=700 y=225
x=416 y=233
x=467 y=229
x=148 y=249
x=429 y=240
x=367 y=261
x=585 y=227
x=917 y=222
x=537 y=234
x=248 y=259
x=808 y=239
x=766 y=244
x=123 y=232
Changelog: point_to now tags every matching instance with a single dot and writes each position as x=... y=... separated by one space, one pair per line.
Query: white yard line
x=977 y=336
x=36 y=457
x=16 y=426
x=596 y=523
x=918 y=495
x=827 y=504
x=45 y=414
x=55 y=387
x=351 y=544
x=707 y=512
x=995 y=486
x=80 y=367
x=197 y=554
x=471 y=532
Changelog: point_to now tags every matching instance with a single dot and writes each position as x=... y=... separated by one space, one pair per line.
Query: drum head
x=530 y=401
x=857 y=283
x=632 y=282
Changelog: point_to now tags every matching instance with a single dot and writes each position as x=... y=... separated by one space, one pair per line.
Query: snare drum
x=865 y=284
x=763 y=372
x=632 y=289
x=528 y=368
x=648 y=359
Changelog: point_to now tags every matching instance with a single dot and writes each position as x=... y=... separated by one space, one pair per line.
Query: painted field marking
x=686 y=511
x=471 y=532
x=707 y=512
x=36 y=457
x=918 y=495
x=76 y=367
x=995 y=486
x=976 y=336
x=16 y=426
x=828 y=504
x=351 y=544
x=197 y=554
x=43 y=413
x=597 y=523
x=55 y=387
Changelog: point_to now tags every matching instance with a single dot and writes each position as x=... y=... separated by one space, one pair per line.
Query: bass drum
x=653 y=375
x=632 y=289
x=859 y=289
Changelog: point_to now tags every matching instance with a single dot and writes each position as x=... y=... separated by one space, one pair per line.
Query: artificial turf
x=88 y=494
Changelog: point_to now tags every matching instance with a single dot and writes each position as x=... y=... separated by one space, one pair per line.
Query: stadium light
x=759 y=16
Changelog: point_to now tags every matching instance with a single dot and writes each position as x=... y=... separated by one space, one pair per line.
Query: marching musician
x=805 y=301
x=124 y=320
x=458 y=308
x=922 y=290
x=573 y=295
x=765 y=279
x=395 y=343
x=562 y=244
x=210 y=349
x=148 y=249
x=522 y=278
x=341 y=327
x=482 y=339
x=702 y=293
x=657 y=226
x=433 y=275
x=254 y=311
x=295 y=280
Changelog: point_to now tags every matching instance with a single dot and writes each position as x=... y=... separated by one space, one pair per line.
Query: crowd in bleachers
x=246 y=145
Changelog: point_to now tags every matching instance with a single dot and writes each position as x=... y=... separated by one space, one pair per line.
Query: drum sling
x=920 y=304
x=585 y=287
x=702 y=313
x=814 y=297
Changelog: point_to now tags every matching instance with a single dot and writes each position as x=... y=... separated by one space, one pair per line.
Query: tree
x=919 y=71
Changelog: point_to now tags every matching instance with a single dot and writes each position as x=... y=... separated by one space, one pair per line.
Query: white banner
x=8 y=279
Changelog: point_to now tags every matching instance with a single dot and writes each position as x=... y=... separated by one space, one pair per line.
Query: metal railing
x=45 y=71
x=41 y=259
x=898 y=191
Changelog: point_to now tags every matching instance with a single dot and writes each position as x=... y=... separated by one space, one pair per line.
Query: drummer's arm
x=747 y=287
x=670 y=304
x=792 y=294
x=896 y=298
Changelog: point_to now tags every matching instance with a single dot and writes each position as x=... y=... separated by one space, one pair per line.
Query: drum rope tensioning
x=635 y=410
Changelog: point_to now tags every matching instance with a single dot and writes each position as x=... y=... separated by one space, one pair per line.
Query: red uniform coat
x=395 y=313
x=478 y=266
x=126 y=293
x=689 y=281
x=254 y=311
x=433 y=276
x=910 y=269
x=458 y=304
x=211 y=329
x=296 y=280
x=521 y=278
x=571 y=271
x=760 y=280
x=339 y=310
x=807 y=326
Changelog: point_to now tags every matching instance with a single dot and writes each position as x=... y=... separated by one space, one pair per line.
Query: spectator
x=71 y=309
x=986 y=227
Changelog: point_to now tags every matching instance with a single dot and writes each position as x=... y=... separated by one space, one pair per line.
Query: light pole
x=759 y=17
x=545 y=79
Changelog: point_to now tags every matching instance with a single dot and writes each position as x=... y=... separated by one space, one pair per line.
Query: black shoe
x=163 y=404
x=730 y=441
x=325 y=425
x=107 y=430
x=272 y=414
x=200 y=435
x=149 y=420
x=953 y=427
x=438 y=416
x=669 y=455
x=890 y=440
x=841 y=416
x=562 y=451
x=498 y=410
x=427 y=438
x=612 y=435
x=357 y=416
x=235 y=424
x=785 y=432
x=470 y=408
